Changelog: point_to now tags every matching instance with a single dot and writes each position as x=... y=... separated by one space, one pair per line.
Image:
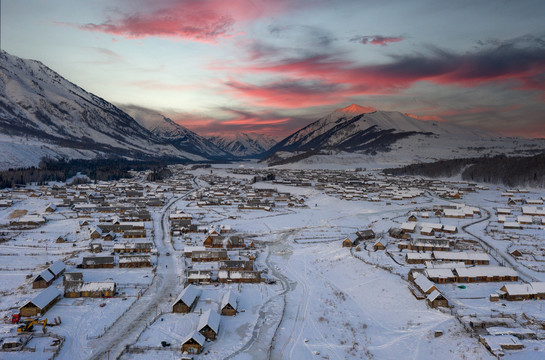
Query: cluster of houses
x=209 y=322
x=219 y=258
x=356 y=184
x=529 y=215
x=423 y=288
x=230 y=191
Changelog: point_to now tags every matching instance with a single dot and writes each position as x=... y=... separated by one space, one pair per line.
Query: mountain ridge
x=387 y=134
x=244 y=145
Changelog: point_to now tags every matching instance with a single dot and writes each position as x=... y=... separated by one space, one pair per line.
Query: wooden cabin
x=229 y=304
x=380 y=245
x=134 y=261
x=193 y=344
x=41 y=302
x=187 y=300
x=351 y=240
x=209 y=324
x=436 y=299
x=97 y=262
x=75 y=289
x=366 y=234
x=43 y=280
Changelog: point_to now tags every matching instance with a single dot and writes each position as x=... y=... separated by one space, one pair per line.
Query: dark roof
x=98 y=260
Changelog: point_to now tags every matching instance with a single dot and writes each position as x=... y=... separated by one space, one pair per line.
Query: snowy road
x=261 y=338
x=126 y=329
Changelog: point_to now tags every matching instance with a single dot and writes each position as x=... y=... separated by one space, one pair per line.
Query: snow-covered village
x=249 y=262
x=270 y=180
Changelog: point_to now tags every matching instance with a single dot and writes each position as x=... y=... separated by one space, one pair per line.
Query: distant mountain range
x=244 y=145
x=175 y=134
x=44 y=115
x=390 y=136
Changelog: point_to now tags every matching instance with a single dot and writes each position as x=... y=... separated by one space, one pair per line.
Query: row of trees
x=501 y=169
x=96 y=169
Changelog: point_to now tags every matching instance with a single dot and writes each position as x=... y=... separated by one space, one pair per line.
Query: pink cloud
x=193 y=20
x=377 y=39
x=425 y=117
x=327 y=79
x=236 y=121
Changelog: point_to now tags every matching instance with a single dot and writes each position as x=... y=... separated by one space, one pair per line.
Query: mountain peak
x=357 y=109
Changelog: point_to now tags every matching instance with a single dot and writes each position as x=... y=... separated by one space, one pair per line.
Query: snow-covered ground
x=320 y=301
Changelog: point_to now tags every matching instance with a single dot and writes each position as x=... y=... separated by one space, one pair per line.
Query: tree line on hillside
x=500 y=169
x=96 y=169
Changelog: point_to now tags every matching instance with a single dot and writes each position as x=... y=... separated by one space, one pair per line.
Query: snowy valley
x=243 y=261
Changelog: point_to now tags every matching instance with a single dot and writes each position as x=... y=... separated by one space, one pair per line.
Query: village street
x=126 y=329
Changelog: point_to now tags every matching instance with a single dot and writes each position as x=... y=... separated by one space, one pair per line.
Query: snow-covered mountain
x=183 y=139
x=244 y=144
x=390 y=135
x=43 y=114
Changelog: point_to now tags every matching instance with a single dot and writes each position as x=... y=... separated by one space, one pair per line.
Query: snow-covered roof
x=453 y=212
x=127 y=259
x=460 y=256
x=488 y=271
x=439 y=273
x=210 y=318
x=434 y=226
x=496 y=343
x=499 y=330
x=434 y=295
x=57 y=267
x=31 y=219
x=98 y=286
x=188 y=295
x=532 y=210
x=45 y=297
x=423 y=283
x=524 y=219
x=539 y=287
x=46 y=275
x=419 y=256
x=519 y=289
x=229 y=298
x=195 y=335
x=408 y=226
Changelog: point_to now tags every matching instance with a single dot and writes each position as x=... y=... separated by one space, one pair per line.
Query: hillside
x=43 y=114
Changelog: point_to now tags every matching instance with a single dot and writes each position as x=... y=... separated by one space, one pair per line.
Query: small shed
x=380 y=245
x=351 y=240
x=436 y=299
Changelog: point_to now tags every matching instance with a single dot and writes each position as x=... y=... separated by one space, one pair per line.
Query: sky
x=225 y=66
